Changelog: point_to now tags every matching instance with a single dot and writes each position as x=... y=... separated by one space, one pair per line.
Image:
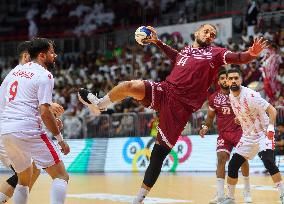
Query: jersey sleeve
x=221 y=56
x=45 y=88
x=259 y=102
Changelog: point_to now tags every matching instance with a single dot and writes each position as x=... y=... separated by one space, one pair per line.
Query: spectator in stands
x=49 y=12
x=251 y=73
x=72 y=125
x=251 y=17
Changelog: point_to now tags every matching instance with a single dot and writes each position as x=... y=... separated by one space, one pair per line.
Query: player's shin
x=153 y=171
x=58 y=191
x=21 y=194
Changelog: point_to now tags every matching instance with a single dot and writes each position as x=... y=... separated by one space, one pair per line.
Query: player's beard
x=50 y=65
x=224 y=87
x=201 y=43
x=235 y=87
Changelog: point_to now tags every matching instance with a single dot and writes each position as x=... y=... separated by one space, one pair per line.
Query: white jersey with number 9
x=22 y=91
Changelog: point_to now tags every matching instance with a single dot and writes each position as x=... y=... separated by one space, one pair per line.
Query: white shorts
x=24 y=148
x=3 y=155
x=249 y=148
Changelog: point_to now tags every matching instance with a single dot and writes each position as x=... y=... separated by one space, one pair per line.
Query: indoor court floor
x=112 y=188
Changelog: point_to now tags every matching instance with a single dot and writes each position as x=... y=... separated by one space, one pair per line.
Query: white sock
x=58 y=191
x=220 y=187
x=231 y=191
x=21 y=194
x=246 y=184
x=104 y=102
x=142 y=193
x=3 y=198
x=280 y=188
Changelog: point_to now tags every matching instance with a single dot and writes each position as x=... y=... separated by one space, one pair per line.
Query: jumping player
x=182 y=93
x=229 y=135
x=257 y=118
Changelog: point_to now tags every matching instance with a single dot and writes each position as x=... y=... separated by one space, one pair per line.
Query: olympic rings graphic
x=130 y=141
x=145 y=151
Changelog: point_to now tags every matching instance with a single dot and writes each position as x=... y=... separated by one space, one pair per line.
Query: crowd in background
x=99 y=71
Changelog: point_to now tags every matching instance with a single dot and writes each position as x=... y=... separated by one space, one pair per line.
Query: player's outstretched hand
x=57 y=109
x=259 y=44
x=65 y=149
x=203 y=131
x=154 y=36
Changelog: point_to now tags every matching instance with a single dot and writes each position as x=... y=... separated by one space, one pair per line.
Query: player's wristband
x=270 y=128
x=59 y=137
x=204 y=127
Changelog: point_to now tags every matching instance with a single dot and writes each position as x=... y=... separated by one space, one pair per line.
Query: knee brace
x=267 y=158
x=13 y=180
x=234 y=165
x=153 y=171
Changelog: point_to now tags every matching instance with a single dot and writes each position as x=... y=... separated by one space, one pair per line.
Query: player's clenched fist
x=270 y=132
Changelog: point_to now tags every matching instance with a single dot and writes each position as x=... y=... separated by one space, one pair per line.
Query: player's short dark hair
x=23 y=47
x=235 y=70
x=221 y=72
x=208 y=24
x=39 y=45
x=281 y=123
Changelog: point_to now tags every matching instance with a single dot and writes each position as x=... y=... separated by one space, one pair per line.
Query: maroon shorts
x=227 y=140
x=173 y=116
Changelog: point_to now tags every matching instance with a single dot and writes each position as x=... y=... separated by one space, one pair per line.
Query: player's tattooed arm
x=246 y=57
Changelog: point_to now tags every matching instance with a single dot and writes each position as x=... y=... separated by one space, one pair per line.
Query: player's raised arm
x=245 y=57
x=170 y=52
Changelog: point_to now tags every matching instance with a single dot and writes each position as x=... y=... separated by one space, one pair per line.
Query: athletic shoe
x=90 y=100
x=215 y=200
x=227 y=201
x=282 y=199
x=247 y=197
x=135 y=201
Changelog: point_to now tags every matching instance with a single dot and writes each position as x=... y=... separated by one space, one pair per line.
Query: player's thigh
x=265 y=144
x=18 y=150
x=154 y=95
x=173 y=118
x=224 y=144
x=247 y=149
x=44 y=152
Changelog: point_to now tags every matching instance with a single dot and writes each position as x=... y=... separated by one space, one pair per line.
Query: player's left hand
x=270 y=132
x=259 y=44
x=57 y=109
x=65 y=149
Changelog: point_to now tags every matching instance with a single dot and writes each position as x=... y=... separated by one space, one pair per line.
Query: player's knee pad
x=153 y=171
x=267 y=158
x=235 y=164
x=13 y=180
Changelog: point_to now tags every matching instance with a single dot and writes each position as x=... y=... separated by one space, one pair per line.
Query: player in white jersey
x=257 y=118
x=7 y=188
x=27 y=98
